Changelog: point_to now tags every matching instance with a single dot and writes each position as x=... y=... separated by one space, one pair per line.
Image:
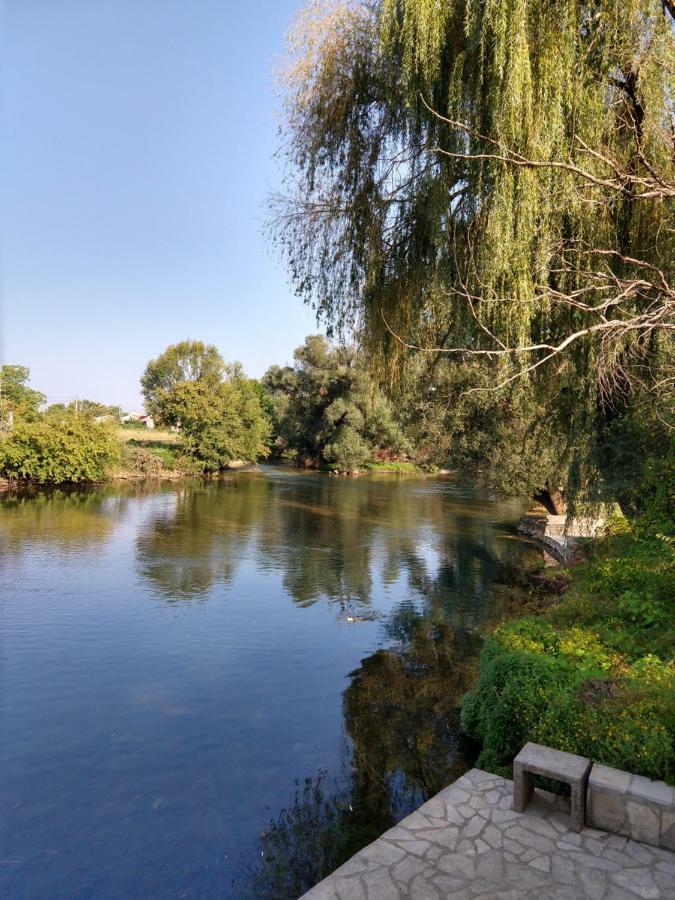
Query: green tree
x=493 y=182
x=329 y=409
x=15 y=395
x=187 y=361
x=217 y=408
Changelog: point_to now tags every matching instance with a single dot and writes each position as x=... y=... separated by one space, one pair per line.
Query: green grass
x=399 y=468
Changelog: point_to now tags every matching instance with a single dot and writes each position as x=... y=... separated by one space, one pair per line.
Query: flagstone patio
x=467 y=843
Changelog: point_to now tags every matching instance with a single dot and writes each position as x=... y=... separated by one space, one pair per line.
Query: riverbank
x=593 y=672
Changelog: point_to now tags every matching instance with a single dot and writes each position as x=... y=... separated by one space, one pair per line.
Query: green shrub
x=59 y=449
x=348 y=450
x=564 y=688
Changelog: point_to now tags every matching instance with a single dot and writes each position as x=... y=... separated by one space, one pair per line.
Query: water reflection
x=175 y=656
x=329 y=539
x=401 y=712
x=197 y=537
x=67 y=520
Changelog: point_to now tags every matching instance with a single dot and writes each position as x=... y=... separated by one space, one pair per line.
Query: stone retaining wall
x=631 y=805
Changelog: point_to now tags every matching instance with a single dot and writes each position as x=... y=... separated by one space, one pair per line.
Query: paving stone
x=446 y=836
x=447 y=883
x=514 y=846
x=467 y=847
x=571 y=838
x=562 y=869
x=457 y=865
x=491 y=867
x=352 y=889
x=639 y=881
x=529 y=839
x=474 y=827
x=416 y=821
x=493 y=836
x=408 y=868
x=643 y=855
x=594 y=883
x=498 y=816
x=454 y=795
x=417 y=848
x=499 y=854
x=383 y=853
x=380 y=885
x=594 y=862
x=543 y=863
x=435 y=808
x=324 y=891
x=454 y=816
x=421 y=889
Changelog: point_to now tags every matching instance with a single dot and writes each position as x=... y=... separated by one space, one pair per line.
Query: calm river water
x=186 y=709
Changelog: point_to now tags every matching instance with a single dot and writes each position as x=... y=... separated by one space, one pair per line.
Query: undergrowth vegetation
x=56 y=449
x=594 y=675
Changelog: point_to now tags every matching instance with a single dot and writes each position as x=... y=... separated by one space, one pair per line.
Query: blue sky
x=136 y=156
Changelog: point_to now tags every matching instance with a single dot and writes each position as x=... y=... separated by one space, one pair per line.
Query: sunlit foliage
x=493 y=179
x=329 y=410
x=216 y=406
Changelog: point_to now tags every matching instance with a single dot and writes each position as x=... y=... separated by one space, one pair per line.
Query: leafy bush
x=523 y=695
x=59 y=449
x=348 y=450
x=596 y=677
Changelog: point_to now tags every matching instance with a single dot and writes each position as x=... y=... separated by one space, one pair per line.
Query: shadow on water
x=182 y=683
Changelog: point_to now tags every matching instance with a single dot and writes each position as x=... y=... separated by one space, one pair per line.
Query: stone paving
x=467 y=843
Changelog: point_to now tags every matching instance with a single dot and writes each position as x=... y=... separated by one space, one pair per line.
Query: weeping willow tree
x=492 y=182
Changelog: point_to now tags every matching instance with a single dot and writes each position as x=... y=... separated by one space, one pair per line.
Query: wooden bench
x=534 y=759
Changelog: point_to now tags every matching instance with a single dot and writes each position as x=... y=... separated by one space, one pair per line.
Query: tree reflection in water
x=424 y=563
x=198 y=536
x=401 y=713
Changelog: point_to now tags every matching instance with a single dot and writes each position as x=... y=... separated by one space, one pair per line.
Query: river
x=222 y=689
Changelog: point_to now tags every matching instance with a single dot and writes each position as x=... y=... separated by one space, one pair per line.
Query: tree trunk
x=553 y=499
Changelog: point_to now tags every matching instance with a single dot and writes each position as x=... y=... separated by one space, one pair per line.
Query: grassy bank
x=593 y=673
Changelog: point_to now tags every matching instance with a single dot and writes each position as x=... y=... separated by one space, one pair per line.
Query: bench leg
x=578 y=806
x=523 y=785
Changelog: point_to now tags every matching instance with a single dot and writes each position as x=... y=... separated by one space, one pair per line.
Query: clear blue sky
x=136 y=154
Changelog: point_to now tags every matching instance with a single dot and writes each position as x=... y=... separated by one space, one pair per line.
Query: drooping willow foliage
x=494 y=177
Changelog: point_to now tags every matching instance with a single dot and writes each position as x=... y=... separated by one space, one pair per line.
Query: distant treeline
x=324 y=411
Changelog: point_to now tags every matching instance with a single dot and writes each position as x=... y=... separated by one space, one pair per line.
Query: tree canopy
x=329 y=410
x=492 y=181
x=217 y=408
x=15 y=394
x=185 y=362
